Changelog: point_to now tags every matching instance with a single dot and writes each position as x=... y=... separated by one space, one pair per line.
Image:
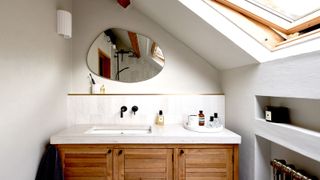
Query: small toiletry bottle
x=160 y=119
x=211 y=123
x=201 y=118
x=216 y=121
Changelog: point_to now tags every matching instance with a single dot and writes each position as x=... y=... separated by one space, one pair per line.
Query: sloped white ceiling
x=189 y=28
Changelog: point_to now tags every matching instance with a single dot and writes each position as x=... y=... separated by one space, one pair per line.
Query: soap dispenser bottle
x=160 y=119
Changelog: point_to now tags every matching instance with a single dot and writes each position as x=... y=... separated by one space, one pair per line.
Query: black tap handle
x=134 y=109
x=122 y=109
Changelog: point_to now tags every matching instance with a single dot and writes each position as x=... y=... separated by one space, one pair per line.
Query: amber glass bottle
x=201 y=118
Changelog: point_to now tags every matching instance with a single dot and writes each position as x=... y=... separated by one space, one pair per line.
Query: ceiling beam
x=134 y=43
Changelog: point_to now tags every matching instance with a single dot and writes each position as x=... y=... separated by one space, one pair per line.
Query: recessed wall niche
x=297 y=142
x=266 y=151
x=304 y=113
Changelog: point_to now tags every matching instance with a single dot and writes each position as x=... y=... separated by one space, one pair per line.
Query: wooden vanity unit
x=149 y=161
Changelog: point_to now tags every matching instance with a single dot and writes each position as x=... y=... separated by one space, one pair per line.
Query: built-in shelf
x=302 y=134
x=275 y=140
x=298 y=139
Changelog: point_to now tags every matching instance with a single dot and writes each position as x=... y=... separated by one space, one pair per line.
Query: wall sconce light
x=64 y=23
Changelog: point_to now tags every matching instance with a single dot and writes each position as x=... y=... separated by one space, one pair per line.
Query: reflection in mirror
x=125 y=56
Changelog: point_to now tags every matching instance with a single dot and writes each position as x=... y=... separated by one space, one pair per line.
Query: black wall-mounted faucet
x=122 y=110
x=134 y=109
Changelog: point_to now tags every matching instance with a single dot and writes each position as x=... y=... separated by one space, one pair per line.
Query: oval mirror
x=124 y=56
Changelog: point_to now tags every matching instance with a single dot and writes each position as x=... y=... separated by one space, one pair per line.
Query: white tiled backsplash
x=105 y=109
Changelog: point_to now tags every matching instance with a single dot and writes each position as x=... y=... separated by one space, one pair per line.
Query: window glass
x=289 y=10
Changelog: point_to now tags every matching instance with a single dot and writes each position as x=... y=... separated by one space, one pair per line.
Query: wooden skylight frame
x=268 y=29
x=155 y=51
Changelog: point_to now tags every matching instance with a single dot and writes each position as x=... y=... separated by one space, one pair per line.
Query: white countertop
x=169 y=134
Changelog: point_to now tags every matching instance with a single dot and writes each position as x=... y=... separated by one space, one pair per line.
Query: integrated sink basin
x=119 y=130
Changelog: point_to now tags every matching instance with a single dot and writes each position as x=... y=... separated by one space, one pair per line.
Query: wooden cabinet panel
x=86 y=163
x=154 y=162
x=141 y=164
x=202 y=164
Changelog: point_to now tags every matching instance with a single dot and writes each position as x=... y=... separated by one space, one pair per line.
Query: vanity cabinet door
x=143 y=164
x=86 y=163
x=205 y=164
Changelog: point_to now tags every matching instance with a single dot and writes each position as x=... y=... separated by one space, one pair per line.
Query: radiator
x=283 y=171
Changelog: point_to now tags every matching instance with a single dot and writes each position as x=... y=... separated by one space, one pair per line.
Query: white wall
x=293 y=77
x=184 y=71
x=35 y=77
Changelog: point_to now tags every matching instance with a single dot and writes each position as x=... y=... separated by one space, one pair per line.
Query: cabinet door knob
x=120 y=152
x=181 y=152
x=109 y=151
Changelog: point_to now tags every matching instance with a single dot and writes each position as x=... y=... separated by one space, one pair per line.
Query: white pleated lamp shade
x=64 y=23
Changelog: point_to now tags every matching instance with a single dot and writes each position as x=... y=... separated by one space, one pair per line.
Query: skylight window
x=274 y=23
x=156 y=51
x=157 y=54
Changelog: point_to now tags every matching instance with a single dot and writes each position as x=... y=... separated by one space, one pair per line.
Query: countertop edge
x=170 y=135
